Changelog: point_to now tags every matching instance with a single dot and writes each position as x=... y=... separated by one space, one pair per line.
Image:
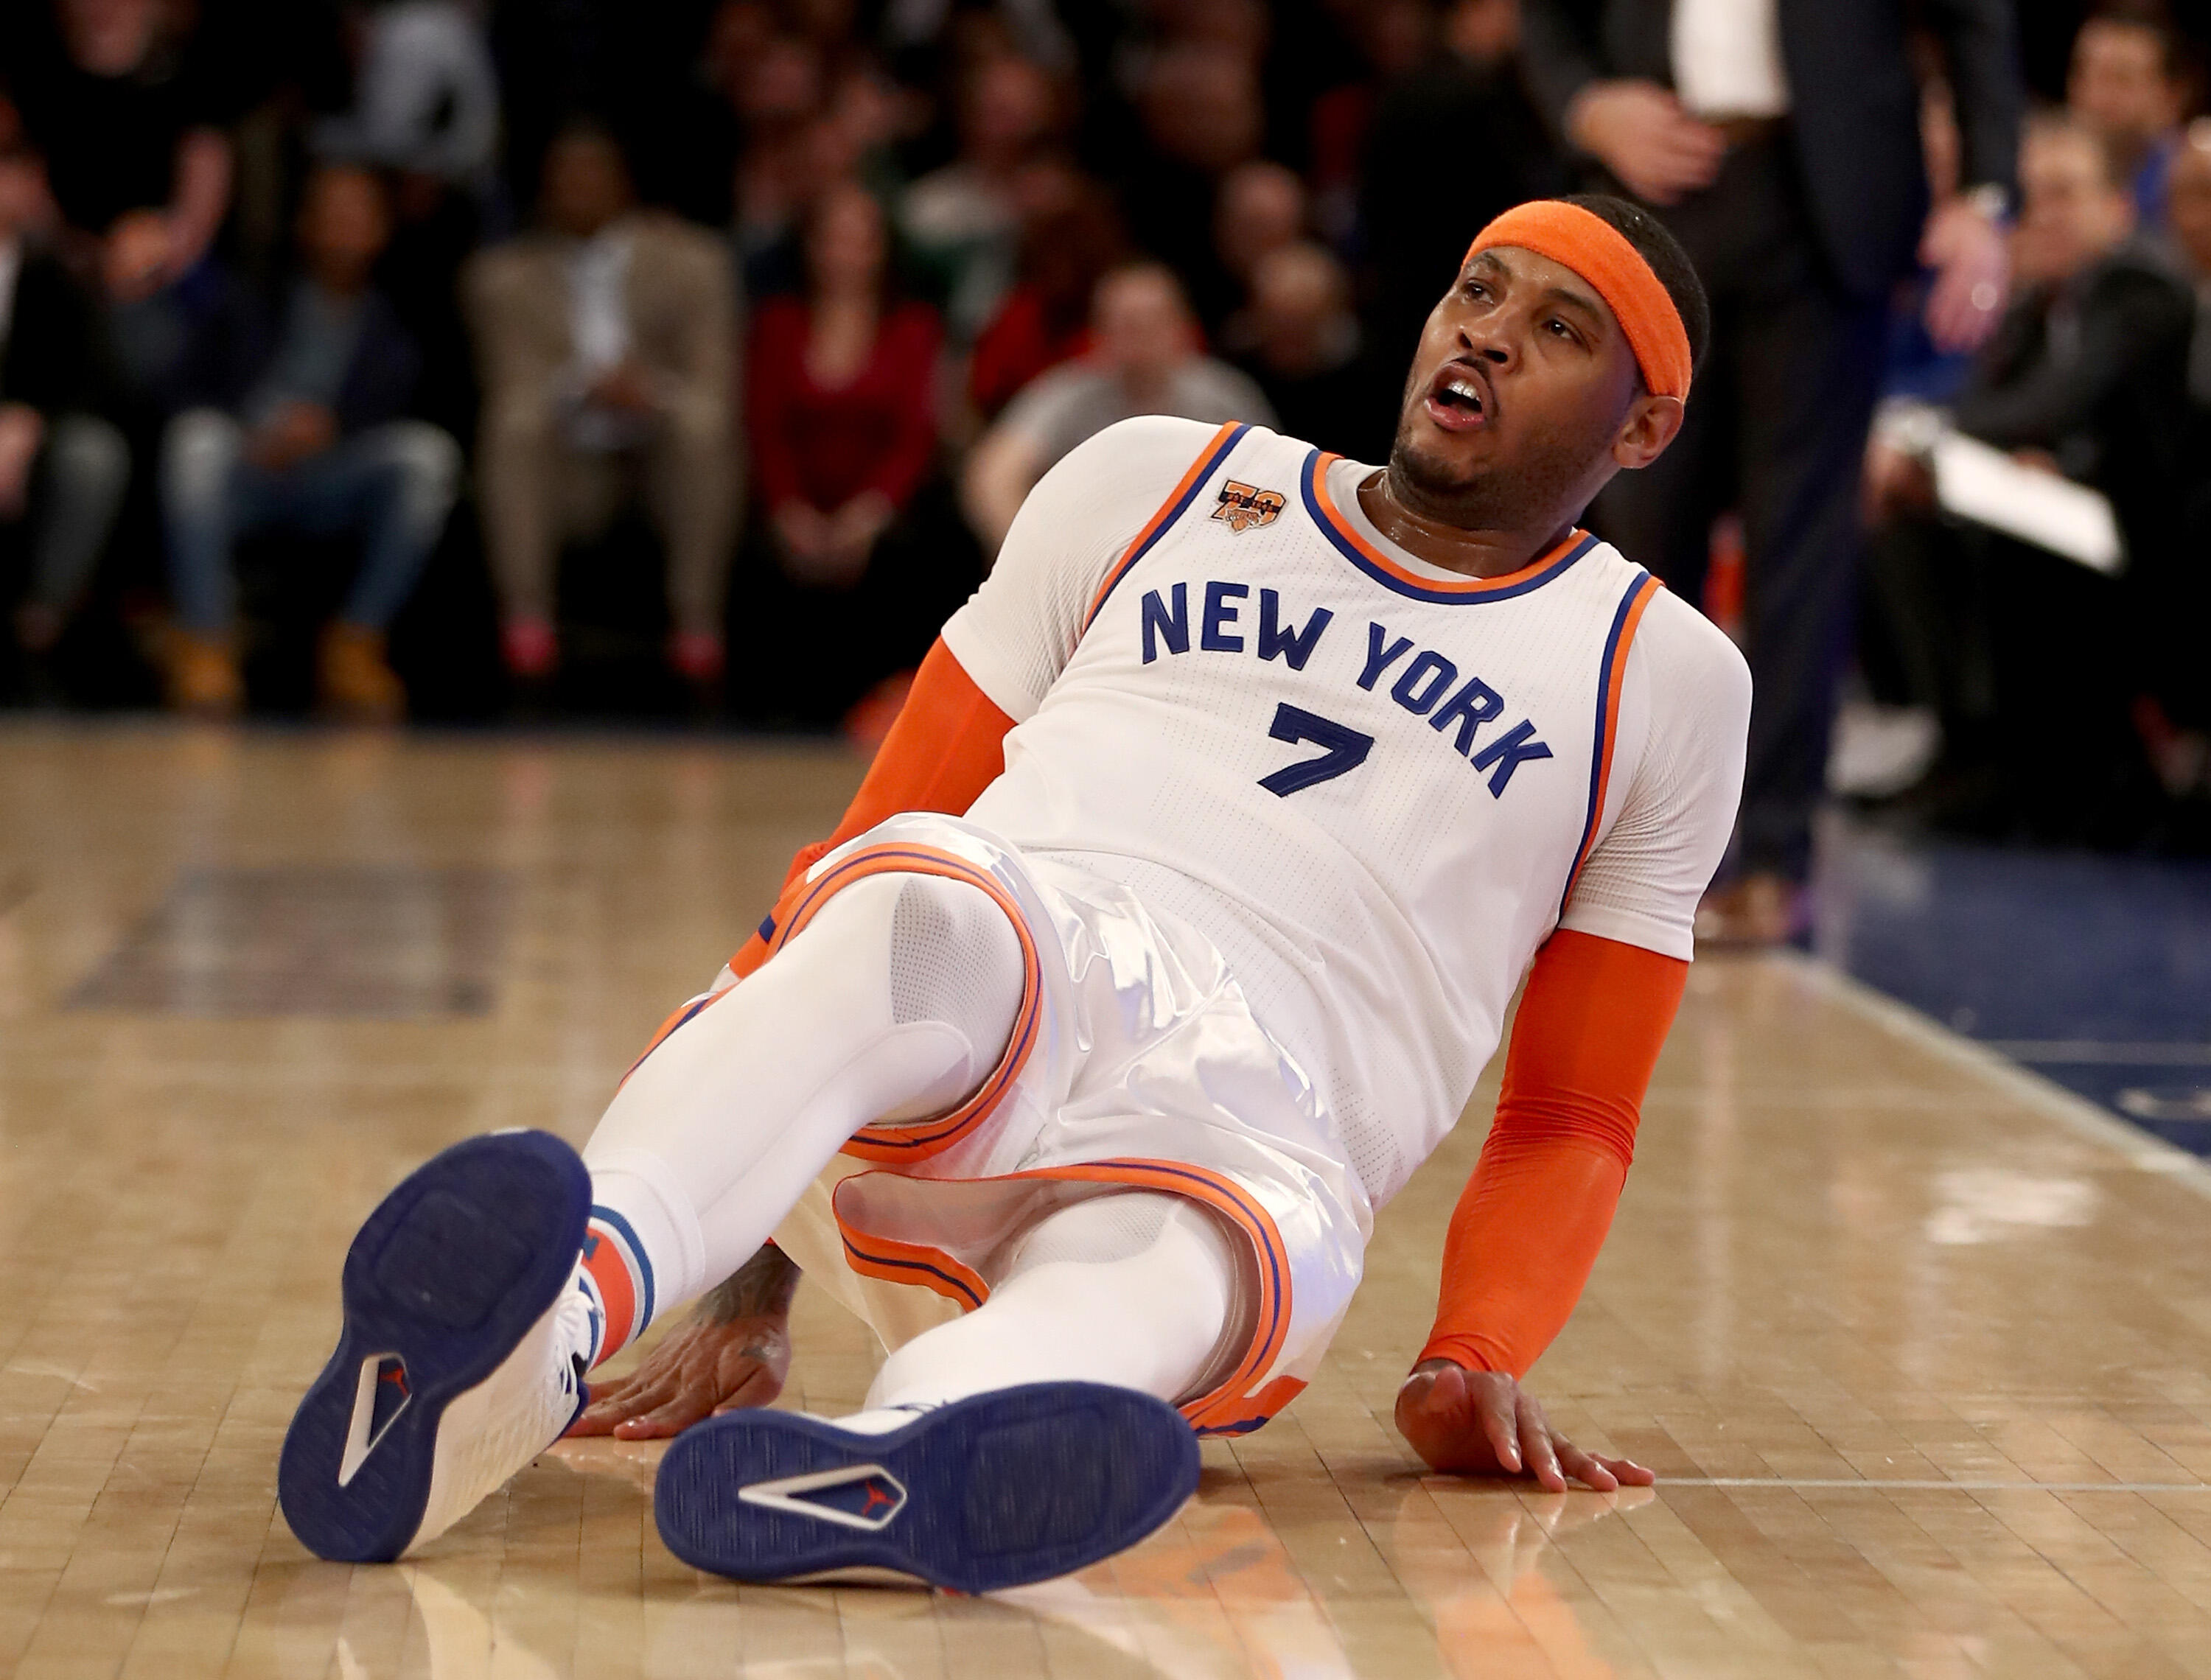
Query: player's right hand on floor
x=704 y=1365
x=1481 y=1423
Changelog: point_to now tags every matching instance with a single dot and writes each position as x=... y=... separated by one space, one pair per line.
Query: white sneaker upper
x=494 y=1429
x=879 y=1420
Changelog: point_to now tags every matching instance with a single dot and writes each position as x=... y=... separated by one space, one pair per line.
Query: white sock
x=896 y=1001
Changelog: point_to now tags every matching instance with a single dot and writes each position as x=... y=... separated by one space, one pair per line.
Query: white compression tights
x=895 y=1002
x=1132 y=1287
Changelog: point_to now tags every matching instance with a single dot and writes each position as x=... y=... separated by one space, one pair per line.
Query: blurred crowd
x=2067 y=702
x=355 y=349
x=478 y=356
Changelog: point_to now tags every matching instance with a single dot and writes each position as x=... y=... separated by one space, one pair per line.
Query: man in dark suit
x=1779 y=141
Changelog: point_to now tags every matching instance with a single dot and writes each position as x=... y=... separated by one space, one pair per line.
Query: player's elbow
x=1559 y=1123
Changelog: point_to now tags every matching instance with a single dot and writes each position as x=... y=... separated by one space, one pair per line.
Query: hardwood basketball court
x=1920 y=1346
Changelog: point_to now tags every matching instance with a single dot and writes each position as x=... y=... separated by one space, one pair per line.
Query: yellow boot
x=203 y=676
x=358 y=684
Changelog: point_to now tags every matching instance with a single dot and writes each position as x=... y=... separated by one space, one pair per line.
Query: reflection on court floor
x=316 y=941
x=1920 y=1349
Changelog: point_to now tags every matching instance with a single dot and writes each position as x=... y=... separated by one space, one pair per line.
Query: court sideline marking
x=2097 y=1051
x=2143 y=1152
x=1927 y=1485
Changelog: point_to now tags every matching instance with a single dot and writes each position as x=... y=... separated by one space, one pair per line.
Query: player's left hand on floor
x=1481 y=1423
x=700 y=1367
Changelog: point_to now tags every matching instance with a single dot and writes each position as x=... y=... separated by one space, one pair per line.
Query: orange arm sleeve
x=1528 y=1228
x=948 y=745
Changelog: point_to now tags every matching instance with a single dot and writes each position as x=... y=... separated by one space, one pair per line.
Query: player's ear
x=1652 y=424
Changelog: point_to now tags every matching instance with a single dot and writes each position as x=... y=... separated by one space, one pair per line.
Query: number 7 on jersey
x=1347 y=750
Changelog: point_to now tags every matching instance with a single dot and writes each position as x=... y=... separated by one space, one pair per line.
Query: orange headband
x=1596 y=250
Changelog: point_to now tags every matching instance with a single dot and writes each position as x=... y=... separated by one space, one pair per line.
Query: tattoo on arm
x=763 y=1285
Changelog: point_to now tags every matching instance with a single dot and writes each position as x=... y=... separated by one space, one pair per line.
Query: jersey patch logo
x=1245 y=507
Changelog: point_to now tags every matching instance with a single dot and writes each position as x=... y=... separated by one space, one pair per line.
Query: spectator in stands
x=840 y=401
x=63 y=470
x=2128 y=82
x=128 y=119
x=1779 y=141
x=919 y=35
x=779 y=94
x=425 y=97
x=1202 y=117
x=1069 y=237
x=2189 y=214
x=427 y=109
x=1260 y=209
x=963 y=220
x=841 y=391
x=605 y=342
x=305 y=429
x=1466 y=100
x=686 y=159
x=1147 y=361
x=2178 y=733
x=622 y=62
x=1304 y=351
x=2087 y=376
x=2084 y=376
x=2087 y=367
x=1916 y=367
x=1395 y=37
x=793 y=154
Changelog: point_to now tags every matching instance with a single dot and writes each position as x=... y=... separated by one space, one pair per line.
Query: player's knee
x=930 y=960
x=955 y=959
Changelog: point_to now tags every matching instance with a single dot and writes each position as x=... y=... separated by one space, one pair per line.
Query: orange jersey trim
x=1178 y=502
x=1231 y=1407
x=919 y=1139
x=1384 y=569
x=1612 y=676
x=919 y=1263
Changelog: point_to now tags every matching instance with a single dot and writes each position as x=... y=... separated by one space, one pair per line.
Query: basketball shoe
x=998 y=1490
x=466 y=1336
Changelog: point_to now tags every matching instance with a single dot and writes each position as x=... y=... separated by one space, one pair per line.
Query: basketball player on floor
x=1167 y=935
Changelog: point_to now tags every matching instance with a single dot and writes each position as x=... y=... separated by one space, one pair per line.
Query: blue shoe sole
x=1017 y=1485
x=448 y=1274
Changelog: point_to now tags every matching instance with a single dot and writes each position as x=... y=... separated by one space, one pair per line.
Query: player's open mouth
x=1459 y=398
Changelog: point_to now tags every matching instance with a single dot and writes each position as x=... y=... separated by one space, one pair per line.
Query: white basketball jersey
x=1370 y=786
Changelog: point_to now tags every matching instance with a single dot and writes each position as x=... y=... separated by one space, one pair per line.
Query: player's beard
x=1485 y=497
